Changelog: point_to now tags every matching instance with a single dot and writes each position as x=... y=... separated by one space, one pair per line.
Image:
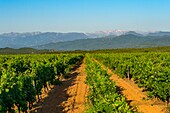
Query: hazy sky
x=83 y=15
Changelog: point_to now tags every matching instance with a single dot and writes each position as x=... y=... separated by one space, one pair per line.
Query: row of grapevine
x=103 y=96
x=149 y=70
x=22 y=78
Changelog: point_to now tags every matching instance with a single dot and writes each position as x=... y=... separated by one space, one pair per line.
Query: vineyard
x=150 y=71
x=23 y=79
x=103 y=94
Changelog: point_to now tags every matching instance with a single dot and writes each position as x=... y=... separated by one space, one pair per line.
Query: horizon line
x=138 y=31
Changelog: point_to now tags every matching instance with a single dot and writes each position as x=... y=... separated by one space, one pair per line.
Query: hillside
x=19 y=40
x=21 y=51
x=122 y=41
x=84 y=41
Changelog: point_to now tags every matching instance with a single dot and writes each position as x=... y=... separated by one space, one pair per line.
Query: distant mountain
x=159 y=33
x=129 y=40
x=18 y=40
x=133 y=33
x=84 y=41
x=99 y=34
x=159 y=41
x=122 y=41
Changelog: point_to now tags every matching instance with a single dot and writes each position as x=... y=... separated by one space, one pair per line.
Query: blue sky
x=84 y=15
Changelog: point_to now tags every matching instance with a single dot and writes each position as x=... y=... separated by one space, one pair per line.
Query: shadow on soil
x=58 y=95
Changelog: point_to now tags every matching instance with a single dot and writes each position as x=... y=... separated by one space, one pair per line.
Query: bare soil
x=69 y=97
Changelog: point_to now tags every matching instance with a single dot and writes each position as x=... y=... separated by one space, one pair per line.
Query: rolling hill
x=122 y=41
x=84 y=41
x=19 y=40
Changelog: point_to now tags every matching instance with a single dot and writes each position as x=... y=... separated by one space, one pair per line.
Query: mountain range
x=19 y=40
x=85 y=41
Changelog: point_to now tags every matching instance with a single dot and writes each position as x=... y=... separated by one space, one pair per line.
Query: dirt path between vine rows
x=135 y=96
x=67 y=98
